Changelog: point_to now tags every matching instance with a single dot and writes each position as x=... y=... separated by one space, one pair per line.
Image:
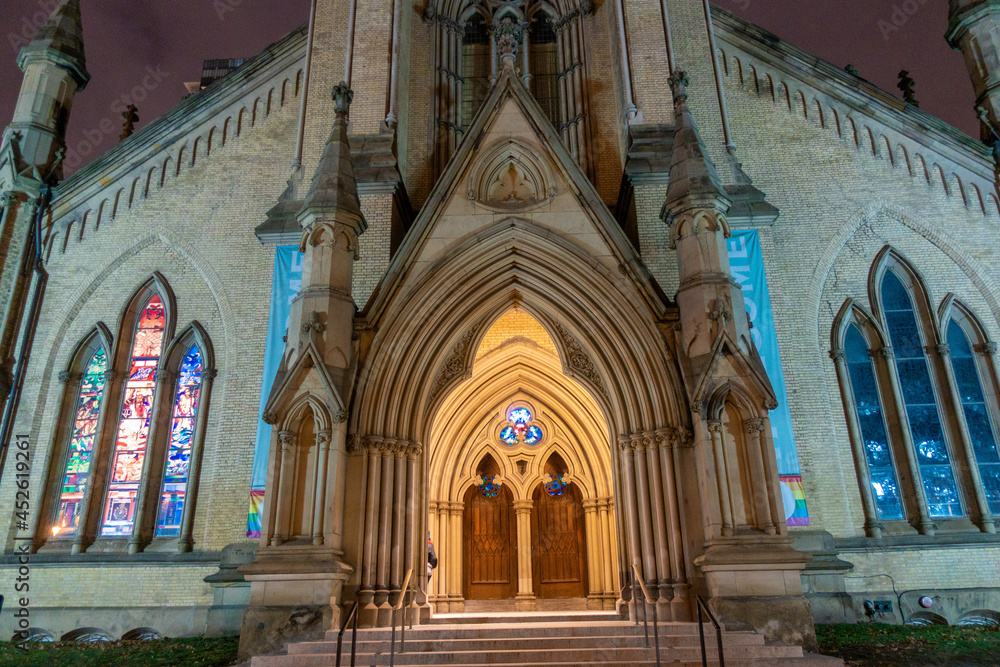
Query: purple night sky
x=126 y=40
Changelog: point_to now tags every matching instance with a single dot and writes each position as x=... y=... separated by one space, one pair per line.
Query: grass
x=189 y=652
x=881 y=645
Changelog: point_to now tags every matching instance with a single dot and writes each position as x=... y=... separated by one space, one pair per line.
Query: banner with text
x=747 y=265
x=285 y=285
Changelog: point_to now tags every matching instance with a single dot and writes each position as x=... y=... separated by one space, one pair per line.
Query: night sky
x=164 y=43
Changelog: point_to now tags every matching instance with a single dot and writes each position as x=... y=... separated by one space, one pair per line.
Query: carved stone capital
x=340 y=415
x=770 y=404
x=524 y=506
x=942 y=349
x=323 y=438
x=270 y=418
x=697 y=406
x=590 y=504
x=413 y=450
x=838 y=355
x=665 y=437
x=67 y=377
x=754 y=426
x=342 y=98
x=885 y=352
x=989 y=348
x=286 y=439
x=354 y=444
x=211 y=373
x=714 y=426
x=112 y=375
x=8 y=199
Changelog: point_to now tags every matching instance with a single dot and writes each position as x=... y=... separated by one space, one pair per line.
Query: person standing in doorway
x=432 y=559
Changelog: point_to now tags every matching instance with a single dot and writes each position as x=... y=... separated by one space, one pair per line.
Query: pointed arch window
x=133 y=425
x=475 y=66
x=543 y=61
x=81 y=444
x=977 y=413
x=919 y=400
x=874 y=434
x=182 y=427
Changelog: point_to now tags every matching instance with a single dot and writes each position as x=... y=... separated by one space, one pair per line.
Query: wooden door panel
x=558 y=547
x=490 y=560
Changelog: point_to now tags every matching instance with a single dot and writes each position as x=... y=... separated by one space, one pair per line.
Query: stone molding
x=387 y=447
x=663 y=437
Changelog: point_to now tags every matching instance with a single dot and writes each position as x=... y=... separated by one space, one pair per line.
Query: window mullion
x=895 y=409
x=101 y=461
x=154 y=461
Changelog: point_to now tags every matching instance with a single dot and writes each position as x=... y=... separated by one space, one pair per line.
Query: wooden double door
x=558 y=545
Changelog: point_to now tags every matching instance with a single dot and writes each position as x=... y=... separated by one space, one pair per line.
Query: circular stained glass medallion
x=509 y=435
x=533 y=435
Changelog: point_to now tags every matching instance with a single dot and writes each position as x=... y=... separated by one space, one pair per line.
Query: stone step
x=532 y=617
x=564 y=628
x=572 y=655
x=422 y=644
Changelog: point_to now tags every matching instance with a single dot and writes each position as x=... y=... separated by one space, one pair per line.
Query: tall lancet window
x=133 y=426
x=182 y=425
x=919 y=399
x=543 y=61
x=977 y=414
x=871 y=418
x=475 y=67
x=81 y=445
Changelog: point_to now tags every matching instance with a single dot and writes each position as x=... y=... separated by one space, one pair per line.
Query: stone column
x=444 y=557
x=607 y=551
x=525 y=600
x=595 y=555
x=754 y=427
x=283 y=501
x=411 y=560
x=398 y=520
x=384 y=533
x=665 y=440
x=659 y=520
x=873 y=527
x=455 y=585
x=366 y=596
x=722 y=477
x=319 y=495
x=630 y=511
x=648 y=562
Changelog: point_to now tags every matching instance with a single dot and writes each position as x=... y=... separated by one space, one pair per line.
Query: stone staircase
x=544 y=640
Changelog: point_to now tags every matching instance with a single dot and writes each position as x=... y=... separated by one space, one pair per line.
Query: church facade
x=578 y=292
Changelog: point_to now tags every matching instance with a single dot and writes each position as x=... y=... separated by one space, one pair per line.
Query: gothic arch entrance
x=521 y=495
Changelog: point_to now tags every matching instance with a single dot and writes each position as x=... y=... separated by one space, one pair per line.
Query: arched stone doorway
x=517 y=426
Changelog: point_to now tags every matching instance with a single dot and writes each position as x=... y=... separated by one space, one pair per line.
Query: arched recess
x=519 y=368
x=605 y=338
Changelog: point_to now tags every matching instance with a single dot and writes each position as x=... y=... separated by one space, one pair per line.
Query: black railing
x=354 y=634
x=646 y=599
x=395 y=608
x=701 y=633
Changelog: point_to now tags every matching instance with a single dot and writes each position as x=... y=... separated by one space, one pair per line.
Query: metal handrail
x=701 y=633
x=395 y=608
x=353 y=614
x=646 y=597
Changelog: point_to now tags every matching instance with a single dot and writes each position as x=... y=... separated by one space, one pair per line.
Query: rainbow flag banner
x=794 y=500
x=253 y=520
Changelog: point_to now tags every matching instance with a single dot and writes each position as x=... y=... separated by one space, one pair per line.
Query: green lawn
x=190 y=652
x=880 y=645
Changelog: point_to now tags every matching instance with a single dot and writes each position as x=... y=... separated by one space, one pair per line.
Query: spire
x=333 y=186
x=693 y=178
x=60 y=39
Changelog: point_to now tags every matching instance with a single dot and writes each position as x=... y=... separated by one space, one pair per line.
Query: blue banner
x=285 y=285
x=747 y=265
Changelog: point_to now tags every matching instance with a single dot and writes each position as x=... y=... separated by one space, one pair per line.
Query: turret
x=55 y=68
x=973 y=26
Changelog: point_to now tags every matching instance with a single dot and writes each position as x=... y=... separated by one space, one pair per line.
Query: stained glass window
x=133 y=426
x=179 y=455
x=544 y=65
x=868 y=408
x=81 y=445
x=933 y=458
x=475 y=67
x=970 y=389
x=520 y=428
